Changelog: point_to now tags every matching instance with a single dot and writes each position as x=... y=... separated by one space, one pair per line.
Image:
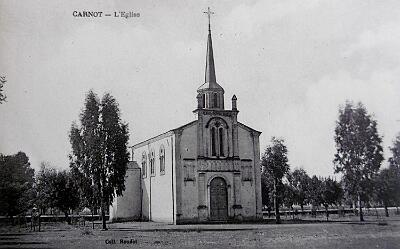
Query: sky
x=291 y=64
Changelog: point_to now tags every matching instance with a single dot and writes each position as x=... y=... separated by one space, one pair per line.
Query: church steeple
x=210 y=68
x=211 y=94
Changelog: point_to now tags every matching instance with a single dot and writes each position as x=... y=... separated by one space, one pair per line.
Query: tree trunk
x=386 y=211
x=302 y=209
x=12 y=220
x=103 y=209
x=360 y=208
x=292 y=213
x=103 y=215
x=67 y=218
x=327 y=212
x=277 y=215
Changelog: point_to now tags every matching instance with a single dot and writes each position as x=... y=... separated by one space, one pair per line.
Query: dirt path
x=153 y=235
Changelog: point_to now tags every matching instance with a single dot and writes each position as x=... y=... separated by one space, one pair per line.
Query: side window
x=144 y=165
x=162 y=160
x=152 y=164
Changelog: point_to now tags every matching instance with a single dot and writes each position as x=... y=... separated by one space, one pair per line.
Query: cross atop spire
x=209 y=13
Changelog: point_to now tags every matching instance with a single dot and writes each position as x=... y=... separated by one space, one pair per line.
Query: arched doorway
x=218 y=199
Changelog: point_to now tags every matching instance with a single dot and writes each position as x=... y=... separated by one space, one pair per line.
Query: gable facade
x=207 y=170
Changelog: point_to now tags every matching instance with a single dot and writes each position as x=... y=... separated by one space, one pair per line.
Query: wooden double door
x=218 y=199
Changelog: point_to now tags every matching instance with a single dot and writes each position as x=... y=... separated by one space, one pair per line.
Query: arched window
x=218 y=137
x=213 y=141
x=221 y=141
x=204 y=101
x=144 y=165
x=152 y=164
x=162 y=159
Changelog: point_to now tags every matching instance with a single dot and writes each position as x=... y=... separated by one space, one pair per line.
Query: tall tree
x=289 y=196
x=275 y=162
x=314 y=192
x=44 y=187
x=394 y=160
x=386 y=187
x=99 y=148
x=394 y=166
x=16 y=184
x=2 y=83
x=88 y=192
x=300 y=181
x=57 y=189
x=267 y=191
x=331 y=194
x=65 y=193
x=358 y=151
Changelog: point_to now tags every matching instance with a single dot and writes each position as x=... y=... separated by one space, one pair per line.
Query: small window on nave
x=162 y=160
x=144 y=165
x=152 y=164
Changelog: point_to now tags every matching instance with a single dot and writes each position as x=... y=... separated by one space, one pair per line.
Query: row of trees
x=2 y=94
x=98 y=164
x=16 y=184
x=57 y=189
x=358 y=158
x=49 y=189
x=281 y=186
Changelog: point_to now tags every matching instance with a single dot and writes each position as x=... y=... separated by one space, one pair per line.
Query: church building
x=206 y=170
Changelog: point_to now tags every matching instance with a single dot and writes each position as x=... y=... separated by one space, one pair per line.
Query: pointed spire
x=210 y=83
x=210 y=68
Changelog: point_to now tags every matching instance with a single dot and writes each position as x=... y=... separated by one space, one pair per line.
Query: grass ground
x=308 y=232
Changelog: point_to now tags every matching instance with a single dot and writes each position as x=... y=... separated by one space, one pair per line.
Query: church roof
x=162 y=135
x=248 y=128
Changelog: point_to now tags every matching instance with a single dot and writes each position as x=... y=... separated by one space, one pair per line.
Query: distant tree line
x=99 y=158
x=358 y=158
x=280 y=186
x=98 y=165
x=3 y=81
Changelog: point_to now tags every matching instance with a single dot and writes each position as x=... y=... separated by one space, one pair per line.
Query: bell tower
x=217 y=133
